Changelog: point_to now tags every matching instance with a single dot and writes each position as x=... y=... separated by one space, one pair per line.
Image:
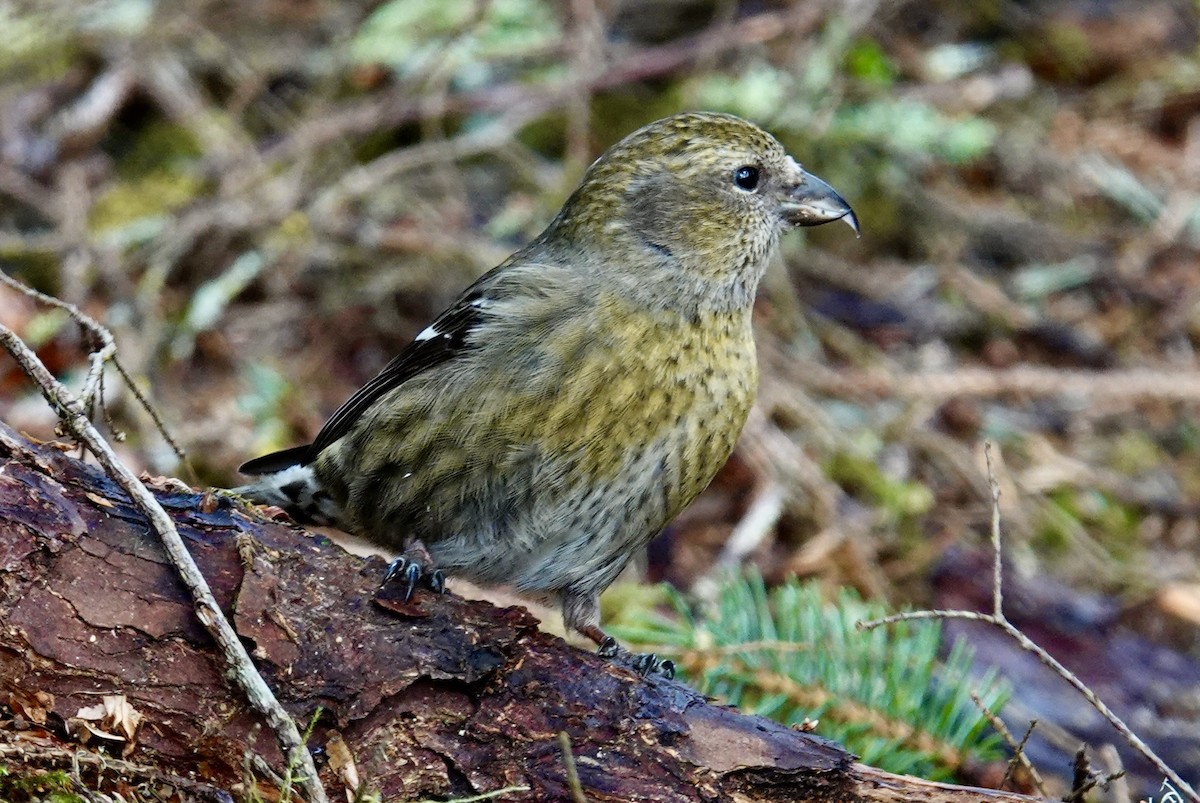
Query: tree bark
x=439 y=697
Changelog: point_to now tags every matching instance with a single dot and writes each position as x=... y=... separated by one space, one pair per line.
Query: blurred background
x=265 y=200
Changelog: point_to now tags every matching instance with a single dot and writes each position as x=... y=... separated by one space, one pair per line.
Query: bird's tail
x=294 y=487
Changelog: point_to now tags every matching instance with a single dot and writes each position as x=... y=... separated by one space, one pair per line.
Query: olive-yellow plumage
x=578 y=396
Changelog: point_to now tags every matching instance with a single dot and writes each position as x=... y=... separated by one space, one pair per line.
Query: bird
x=568 y=404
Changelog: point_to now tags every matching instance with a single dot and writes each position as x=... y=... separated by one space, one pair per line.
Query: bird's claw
x=608 y=648
x=644 y=663
x=412 y=573
x=437 y=581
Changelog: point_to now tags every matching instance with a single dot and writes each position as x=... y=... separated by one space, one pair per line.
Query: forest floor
x=265 y=201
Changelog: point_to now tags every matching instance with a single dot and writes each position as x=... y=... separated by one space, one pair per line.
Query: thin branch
x=159 y=424
x=752 y=530
x=586 y=60
x=93 y=384
x=1018 y=748
x=573 y=783
x=71 y=412
x=1085 y=779
x=1118 y=779
x=366 y=178
x=1049 y=661
x=1127 y=385
x=997 y=561
x=97 y=357
x=651 y=62
x=28 y=754
x=495 y=794
x=17 y=185
x=998 y=620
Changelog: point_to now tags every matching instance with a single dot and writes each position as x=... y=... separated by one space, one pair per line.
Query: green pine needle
x=791 y=655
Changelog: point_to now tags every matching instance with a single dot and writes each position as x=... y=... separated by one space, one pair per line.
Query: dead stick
x=70 y=412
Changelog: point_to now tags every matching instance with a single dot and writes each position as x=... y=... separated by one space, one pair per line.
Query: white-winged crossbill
x=573 y=400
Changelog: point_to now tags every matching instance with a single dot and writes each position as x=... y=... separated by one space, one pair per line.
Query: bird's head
x=701 y=194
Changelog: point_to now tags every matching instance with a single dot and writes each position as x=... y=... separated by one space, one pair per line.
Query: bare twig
x=587 y=59
x=17 y=185
x=997 y=560
x=646 y=63
x=1018 y=748
x=168 y=80
x=759 y=521
x=87 y=119
x=76 y=760
x=577 y=796
x=93 y=387
x=71 y=412
x=362 y=180
x=1111 y=757
x=159 y=424
x=495 y=794
x=1124 y=385
x=1049 y=661
x=998 y=620
x=96 y=357
x=1084 y=778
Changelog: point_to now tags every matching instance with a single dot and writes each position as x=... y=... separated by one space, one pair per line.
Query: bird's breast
x=653 y=402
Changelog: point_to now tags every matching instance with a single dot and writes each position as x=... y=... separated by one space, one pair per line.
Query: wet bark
x=440 y=697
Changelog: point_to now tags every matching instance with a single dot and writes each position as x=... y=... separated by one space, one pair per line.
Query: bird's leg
x=581 y=611
x=412 y=568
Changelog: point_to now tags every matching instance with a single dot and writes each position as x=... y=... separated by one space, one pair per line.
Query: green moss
x=1135 y=452
x=266 y=398
x=23 y=785
x=862 y=476
x=157 y=146
x=148 y=197
x=455 y=36
x=36 y=49
x=866 y=61
x=756 y=93
x=911 y=128
x=1064 y=46
x=1068 y=515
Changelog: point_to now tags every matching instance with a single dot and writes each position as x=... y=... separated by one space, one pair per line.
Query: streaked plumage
x=577 y=397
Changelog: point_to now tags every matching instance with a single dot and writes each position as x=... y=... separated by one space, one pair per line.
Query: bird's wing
x=443 y=340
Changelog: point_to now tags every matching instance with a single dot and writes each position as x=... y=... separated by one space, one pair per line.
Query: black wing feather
x=276 y=461
x=452 y=327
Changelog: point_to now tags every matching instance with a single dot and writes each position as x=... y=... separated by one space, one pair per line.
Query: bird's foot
x=644 y=663
x=412 y=573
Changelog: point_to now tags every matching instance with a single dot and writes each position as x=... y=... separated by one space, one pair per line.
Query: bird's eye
x=746 y=178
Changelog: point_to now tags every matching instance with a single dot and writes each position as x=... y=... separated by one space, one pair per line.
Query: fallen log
x=439 y=697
